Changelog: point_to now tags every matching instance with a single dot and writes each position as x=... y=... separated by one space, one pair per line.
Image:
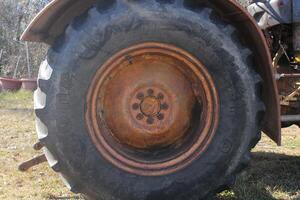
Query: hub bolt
x=135 y=106
x=140 y=96
x=160 y=116
x=150 y=120
x=140 y=116
x=150 y=92
x=160 y=96
x=164 y=106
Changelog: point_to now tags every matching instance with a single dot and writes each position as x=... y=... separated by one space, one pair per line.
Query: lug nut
x=160 y=116
x=160 y=96
x=150 y=120
x=164 y=106
x=140 y=96
x=140 y=116
x=150 y=92
x=135 y=106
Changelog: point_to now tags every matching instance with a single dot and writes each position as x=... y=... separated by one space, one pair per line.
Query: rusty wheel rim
x=152 y=109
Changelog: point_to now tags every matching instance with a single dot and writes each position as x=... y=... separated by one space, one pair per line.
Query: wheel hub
x=142 y=106
x=152 y=99
x=150 y=106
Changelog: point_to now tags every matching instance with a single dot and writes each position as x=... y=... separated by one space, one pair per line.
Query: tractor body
x=280 y=22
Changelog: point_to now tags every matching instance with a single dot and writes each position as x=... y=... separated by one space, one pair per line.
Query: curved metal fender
x=53 y=19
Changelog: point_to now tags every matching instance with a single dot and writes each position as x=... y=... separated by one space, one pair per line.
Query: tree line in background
x=18 y=58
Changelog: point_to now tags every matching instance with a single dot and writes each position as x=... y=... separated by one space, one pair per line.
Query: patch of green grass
x=271 y=176
x=16 y=100
x=17 y=133
x=293 y=142
x=274 y=173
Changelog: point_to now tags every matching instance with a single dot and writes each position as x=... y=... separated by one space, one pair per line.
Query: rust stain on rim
x=143 y=99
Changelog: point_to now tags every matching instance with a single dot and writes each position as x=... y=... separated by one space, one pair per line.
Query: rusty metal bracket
x=291 y=97
x=294 y=75
x=38 y=146
x=290 y=118
x=32 y=162
x=24 y=166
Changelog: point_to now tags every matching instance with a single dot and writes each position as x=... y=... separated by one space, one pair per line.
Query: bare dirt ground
x=274 y=173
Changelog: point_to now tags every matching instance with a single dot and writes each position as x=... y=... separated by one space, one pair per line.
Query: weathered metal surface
x=293 y=75
x=149 y=120
x=144 y=98
x=255 y=38
x=290 y=118
x=32 y=162
x=291 y=97
x=52 y=21
x=38 y=146
x=288 y=86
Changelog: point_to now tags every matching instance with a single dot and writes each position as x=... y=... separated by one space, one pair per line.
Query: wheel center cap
x=150 y=106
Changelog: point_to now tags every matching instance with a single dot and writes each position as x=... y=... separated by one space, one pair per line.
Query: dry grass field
x=274 y=172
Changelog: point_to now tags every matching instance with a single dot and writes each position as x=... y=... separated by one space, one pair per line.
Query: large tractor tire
x=148 y=100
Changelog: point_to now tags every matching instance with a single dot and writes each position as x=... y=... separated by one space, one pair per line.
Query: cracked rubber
x=110 y=27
